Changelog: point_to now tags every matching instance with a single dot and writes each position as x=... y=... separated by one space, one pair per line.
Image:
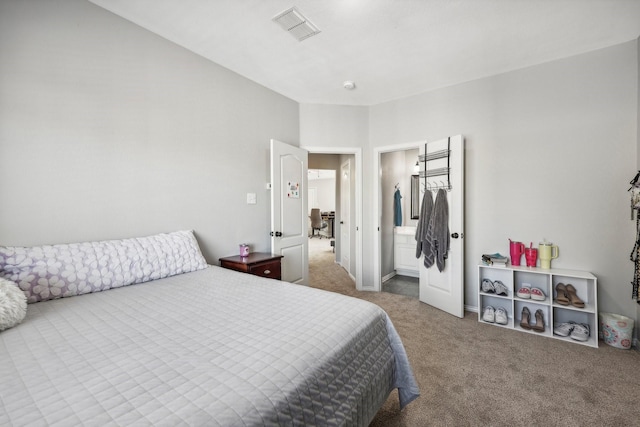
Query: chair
x=316 y=222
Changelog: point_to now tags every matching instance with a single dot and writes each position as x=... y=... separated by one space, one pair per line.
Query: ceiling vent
x=296 y=24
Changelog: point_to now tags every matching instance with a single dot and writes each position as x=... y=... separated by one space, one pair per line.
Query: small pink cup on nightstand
x=244 y=250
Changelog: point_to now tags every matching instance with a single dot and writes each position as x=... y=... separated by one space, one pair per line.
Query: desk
x=330 y=217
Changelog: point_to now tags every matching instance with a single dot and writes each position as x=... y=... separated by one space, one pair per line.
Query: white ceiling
x=390 y=48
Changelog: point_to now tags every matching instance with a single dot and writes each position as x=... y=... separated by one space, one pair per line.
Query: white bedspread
x=212 y=347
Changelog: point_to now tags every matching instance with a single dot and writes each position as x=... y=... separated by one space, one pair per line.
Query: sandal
x=573 y=297
x=561 y=294
x=537 y=294
x=539 y=326
x=524 y=321
x=524 y=292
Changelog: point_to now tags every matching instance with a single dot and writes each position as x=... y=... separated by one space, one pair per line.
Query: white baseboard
x=409 y=273
x=388 y=276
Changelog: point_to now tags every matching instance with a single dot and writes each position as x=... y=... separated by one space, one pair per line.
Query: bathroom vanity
x=404 y=249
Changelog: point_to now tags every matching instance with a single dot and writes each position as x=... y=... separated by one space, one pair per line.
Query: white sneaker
x=564 y=329
x=489 y=314
x=580 y=332
x=500 y=288
x=501 y=316
x=487 y=286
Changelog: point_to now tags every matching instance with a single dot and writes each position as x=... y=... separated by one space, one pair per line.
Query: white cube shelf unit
x=513 y=277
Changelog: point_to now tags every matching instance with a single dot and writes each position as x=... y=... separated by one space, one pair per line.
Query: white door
x=289 y=217
x=445 y=290
x=345 y=215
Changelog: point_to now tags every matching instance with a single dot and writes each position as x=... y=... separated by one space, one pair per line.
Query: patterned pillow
x=13 y=304
x=56 y=271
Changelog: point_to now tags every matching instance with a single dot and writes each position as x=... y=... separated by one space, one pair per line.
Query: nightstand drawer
x=258 y=264
x=267 y=269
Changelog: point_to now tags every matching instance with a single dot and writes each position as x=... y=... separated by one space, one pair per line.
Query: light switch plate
x=251 y=198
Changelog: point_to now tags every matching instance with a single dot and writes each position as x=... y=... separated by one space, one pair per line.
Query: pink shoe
x=524 y=292
x=537 y=294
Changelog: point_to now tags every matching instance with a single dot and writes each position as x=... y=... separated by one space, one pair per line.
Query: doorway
x=322 y=209
x=333 y=158
x=399 y=271
x=441 y=171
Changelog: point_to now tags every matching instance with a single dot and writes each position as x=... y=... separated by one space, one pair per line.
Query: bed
x=167 y=340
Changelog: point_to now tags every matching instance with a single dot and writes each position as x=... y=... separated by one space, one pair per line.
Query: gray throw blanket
x=422 y=245
x=438 y=231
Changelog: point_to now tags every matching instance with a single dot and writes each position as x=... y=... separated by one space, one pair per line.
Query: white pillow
x=13 y=304
x=64 y=270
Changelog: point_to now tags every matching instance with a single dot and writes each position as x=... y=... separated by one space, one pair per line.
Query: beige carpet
x=473 y=374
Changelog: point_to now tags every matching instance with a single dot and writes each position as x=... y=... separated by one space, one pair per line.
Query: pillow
x=13 y=304
x=56 y=271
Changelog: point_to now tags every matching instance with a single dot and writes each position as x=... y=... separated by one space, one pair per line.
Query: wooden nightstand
x=258 y=263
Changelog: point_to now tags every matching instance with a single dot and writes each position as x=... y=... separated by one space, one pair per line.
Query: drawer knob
x=267 y=272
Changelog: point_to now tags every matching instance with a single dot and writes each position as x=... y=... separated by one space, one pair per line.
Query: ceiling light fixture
x=349 y=85
x=296 y=24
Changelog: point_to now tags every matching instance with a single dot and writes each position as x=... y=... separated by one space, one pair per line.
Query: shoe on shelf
x=580 y=332
x=501 y=316
x=489 y=314
x=537 y=294
x=562 y=297
x=524 y=292
x=487 y=286
x=500 y=288
x=564 y=329
x=573 y=296
x=539 y=326
x=526 y=317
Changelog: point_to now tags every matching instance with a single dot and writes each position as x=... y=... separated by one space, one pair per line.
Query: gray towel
x=438 y=231
x=422 y=246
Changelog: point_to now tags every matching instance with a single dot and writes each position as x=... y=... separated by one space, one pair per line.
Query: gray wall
x=108 y=131
x=549 y=152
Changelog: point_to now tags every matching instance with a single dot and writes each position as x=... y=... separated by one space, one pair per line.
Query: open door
x=289 y=216
x=444 y=162
x=345 y=216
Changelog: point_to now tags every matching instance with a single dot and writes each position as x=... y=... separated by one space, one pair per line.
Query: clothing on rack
x=422 y=246
x=397 y=208
x=635 y=252
x=635 y=257
x=438 y=231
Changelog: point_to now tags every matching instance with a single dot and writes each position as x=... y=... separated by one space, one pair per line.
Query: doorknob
x=341 y=222
x=455 y=235
x=277 y=234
